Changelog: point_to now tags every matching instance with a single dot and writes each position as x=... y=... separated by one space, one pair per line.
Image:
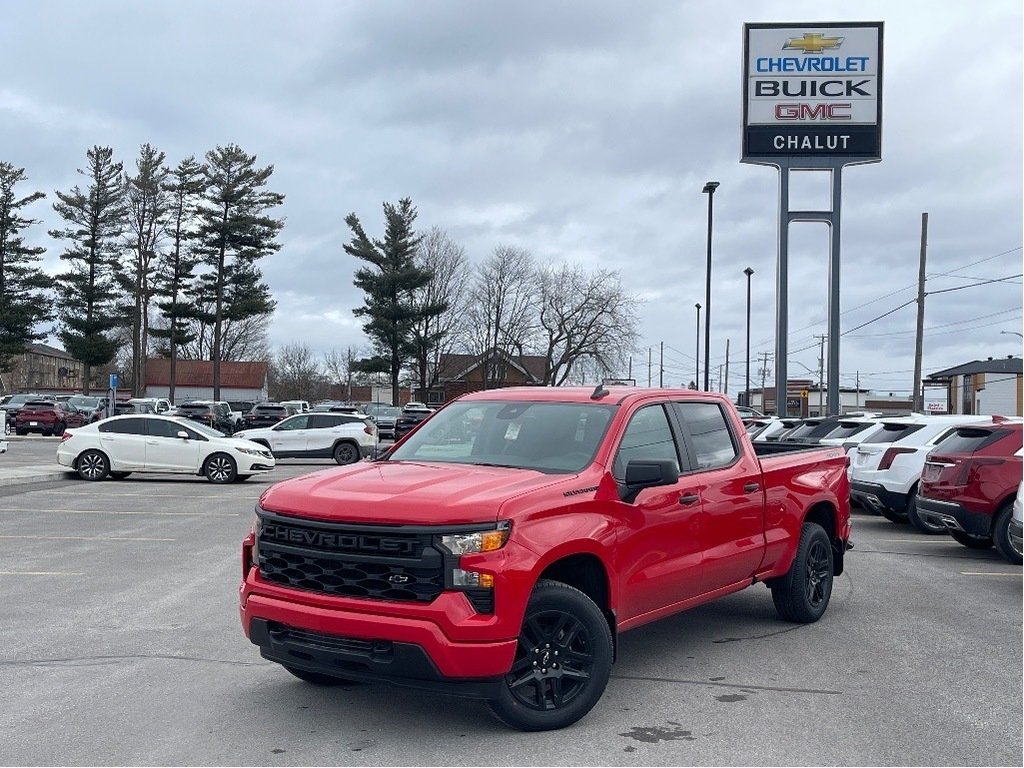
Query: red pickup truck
x=499 y=550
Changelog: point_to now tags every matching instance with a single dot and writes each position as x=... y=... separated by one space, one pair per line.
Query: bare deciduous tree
x=584 y=316
x=295 y=374
x=502 y=309
x=436 y=335
x=244 y=339
x=339 y=368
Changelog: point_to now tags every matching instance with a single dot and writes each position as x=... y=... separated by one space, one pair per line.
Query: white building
x=985 y=387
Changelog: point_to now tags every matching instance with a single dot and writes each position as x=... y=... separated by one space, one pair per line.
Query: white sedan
x=344 y=437
x=121 y=445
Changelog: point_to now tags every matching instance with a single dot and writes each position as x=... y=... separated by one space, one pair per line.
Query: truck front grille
x=374 y=562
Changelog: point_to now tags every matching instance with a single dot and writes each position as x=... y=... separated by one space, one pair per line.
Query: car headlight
x=249 y=451
x=478 y=541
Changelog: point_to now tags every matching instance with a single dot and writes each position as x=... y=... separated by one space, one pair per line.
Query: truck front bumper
x=376 y=645
x=397 y=663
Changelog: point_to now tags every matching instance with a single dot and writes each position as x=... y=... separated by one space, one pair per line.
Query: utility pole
x=630 y=373
x=719 y=387
x=661 y=366
x=918 y=405
x=858 y=390
x=726 y=389
x=648 y=367
x=764 y=372
x=821 y=373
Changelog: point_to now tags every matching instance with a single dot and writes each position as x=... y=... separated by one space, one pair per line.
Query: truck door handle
x=688 y=499
x=751 y=488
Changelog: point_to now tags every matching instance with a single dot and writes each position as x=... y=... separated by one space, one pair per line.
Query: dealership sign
x=812 y=90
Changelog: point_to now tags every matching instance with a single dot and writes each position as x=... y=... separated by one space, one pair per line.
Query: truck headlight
x=478 y=541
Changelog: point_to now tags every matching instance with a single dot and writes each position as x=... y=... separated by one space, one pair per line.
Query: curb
x=30 y=478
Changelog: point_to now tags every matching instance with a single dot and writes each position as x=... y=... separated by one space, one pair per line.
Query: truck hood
x=405 y=493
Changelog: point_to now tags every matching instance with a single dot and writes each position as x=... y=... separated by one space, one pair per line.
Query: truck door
x=660 y=544
x=729 y=483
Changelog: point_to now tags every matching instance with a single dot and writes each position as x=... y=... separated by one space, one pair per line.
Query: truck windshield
x=547 y=437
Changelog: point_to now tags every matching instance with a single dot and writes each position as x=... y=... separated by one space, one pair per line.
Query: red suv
x=969 y=483
x=47 y=417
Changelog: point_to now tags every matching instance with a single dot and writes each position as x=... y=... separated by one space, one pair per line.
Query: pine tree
x=148 y=205
x=96 y=219
x=235 y=232
x=23 y=305
x=389 y=283
x=176 y=274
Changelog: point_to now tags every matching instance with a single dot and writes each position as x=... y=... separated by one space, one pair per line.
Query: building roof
x=199 y=373
x=992 y=365
x=454 y=367
x=46 y=349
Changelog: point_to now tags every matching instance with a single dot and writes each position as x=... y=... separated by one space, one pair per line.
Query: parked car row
x=953 y=474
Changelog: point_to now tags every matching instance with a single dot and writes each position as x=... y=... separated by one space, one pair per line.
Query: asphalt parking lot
x=121 y=645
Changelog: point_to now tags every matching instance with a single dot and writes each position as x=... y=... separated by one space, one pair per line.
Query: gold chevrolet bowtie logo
x=813 y=42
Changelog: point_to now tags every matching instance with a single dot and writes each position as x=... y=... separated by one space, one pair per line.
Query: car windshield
x=548 y=437
x=40 y=404
x=203 y=429
x=19 y=399
x=196 y=407
x=388 y=413
x=81 y=401
x=270 y=410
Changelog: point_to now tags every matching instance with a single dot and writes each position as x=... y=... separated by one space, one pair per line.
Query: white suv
x=886 y=466
x=344 y=437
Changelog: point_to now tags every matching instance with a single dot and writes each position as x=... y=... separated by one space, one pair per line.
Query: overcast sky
x=580 y=131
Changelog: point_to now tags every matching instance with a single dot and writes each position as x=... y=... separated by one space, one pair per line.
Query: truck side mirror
x=647 y=473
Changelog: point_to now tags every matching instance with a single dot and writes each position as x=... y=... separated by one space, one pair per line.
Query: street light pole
x=746 y=397
x=697 y=356
x=1013 y=333
x=709 y=190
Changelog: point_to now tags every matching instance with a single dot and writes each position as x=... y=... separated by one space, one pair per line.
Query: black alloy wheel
x=346 y=453
x=802 y=595
x=562 y=662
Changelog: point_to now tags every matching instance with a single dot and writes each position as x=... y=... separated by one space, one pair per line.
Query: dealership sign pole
x=812 y=101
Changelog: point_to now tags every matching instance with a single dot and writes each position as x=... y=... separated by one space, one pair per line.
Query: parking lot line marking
x=114 y=512
x=85 y=538
x=991 y=573
x=41 y=573
x=114 y=495
x=946 y=540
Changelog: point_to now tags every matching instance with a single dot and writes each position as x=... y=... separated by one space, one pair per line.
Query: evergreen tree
x=22 y=282
x=96 y=220
x=389 y=282
x=148 y=205
x=176 y=274
x=235 y=232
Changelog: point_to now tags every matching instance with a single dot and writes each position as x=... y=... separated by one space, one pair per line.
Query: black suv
x=267 y=415
x=216 y=415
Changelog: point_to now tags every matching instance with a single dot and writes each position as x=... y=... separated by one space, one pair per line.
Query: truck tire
x=562 y=664
x=971 y=542
x=317 y=678
x=346 y=453
x=1001 y=535
x=802 y=595
x=919 y=522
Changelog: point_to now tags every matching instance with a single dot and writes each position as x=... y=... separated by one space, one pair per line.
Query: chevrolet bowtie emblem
x=813 y=42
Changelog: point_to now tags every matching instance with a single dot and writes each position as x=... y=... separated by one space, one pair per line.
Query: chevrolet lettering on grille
x=345 y=542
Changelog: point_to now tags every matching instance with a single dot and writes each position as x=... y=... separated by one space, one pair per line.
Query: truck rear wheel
x=802 y=595
x=562 y=663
